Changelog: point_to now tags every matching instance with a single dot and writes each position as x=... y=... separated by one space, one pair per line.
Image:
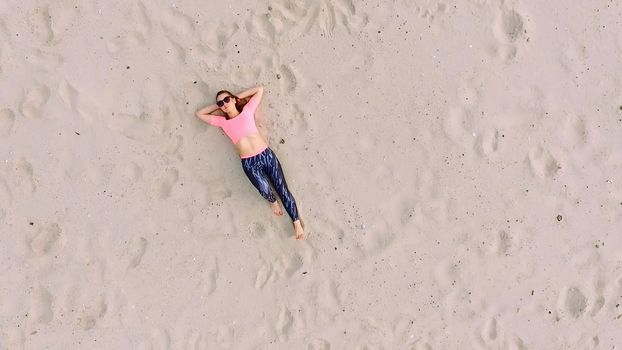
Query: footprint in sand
x=457 y=126
x=7 y=119
x=492 y=336
x=4 y=32
x=144 y=128
x=174 y=147
x=5 y=46
x=542 y=163
x=292 y=121
x=22 y=180
x=99 y=175
x=329 y=14
x=489 y=332
x=427 y=9
x=574 y=57
x=217 y=38
x=132 y=172
x=45 y=239
x=135 y=251
x=446 y=273
x=468 y=96
x=124 y=42
x=283 y=23
x=184 y=214
x=32 y=104
x=375 y=239
x=62 y=17
x=503 y=243
x=40 y=24
x=257 y=230
x=13 y=338
x=245 y=74
x=76 y=101
x=408 y=211
x=176 y=23
x=329 y=297
x=194 y=339
x=92 y=313
x=353 y=19
x=591 y=344
x=299 y=123
x=420 y=345
x=318 y=344
x=288 y=264
x=597 y=305
x=225 y=336
x=41 y=305
x=326 y=19
x=574 y=131
x=163 y=187
x=509 y=30
x=261 y=27
x=50 y=23
x=572 y=302
x=284 y=323
x=210 y=277
x=287 y=79
x=487 y=144
x=160 y=339
x=131 y=39
x=140 y=18
x=6 y=196
x=175 y=53
x=293 y=21
x=263 y=275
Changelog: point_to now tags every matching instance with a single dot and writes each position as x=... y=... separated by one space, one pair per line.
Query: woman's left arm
x=256 y=91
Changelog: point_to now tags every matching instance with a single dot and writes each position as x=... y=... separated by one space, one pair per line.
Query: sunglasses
x=223 y=101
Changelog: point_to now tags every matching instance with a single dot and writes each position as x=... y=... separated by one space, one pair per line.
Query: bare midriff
x=251 y=144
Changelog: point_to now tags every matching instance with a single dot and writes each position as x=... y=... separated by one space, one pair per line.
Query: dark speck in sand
x=282 y=141
x=304 y=272
x=77 y=133
x=559 y=218
x=31 y=223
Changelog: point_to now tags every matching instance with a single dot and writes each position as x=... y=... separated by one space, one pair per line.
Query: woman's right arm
x=205 y=114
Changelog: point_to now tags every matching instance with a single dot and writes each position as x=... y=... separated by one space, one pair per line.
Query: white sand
x=457 y=164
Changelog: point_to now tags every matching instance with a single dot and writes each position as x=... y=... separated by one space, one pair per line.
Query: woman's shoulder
x=247 y=111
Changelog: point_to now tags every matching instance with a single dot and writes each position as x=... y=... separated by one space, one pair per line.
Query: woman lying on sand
x=258 y=161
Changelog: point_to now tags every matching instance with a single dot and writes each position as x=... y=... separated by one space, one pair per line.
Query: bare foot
x=276 y=208
x=299 y=229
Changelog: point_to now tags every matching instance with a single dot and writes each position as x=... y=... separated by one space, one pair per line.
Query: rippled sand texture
x=457 y=164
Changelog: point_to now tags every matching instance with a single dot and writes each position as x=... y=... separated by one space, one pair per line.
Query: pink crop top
x=241 y=125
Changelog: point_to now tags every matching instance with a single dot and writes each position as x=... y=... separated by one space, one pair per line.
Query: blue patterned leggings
x=266 y=166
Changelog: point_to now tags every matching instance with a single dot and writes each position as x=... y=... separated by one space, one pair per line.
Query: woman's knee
x=266 y=192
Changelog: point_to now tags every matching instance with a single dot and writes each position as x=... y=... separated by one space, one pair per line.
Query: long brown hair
x=239 y=102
